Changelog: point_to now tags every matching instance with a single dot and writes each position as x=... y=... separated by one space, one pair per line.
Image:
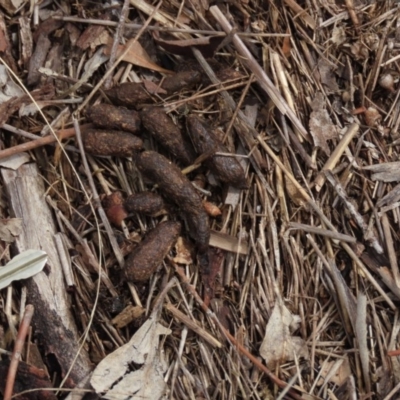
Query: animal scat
x=147 y=203
x=160 y=125
x=110 y=143
x=108 y=116
x=150 y=252
x=204 y=140
x=130 y=94
x=177 y=188
x=182 y=80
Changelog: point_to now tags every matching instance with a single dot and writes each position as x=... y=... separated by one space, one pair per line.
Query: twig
x=368 y=236
x=32 y=136
x=117 y=35
x=34 y=144
x=16 y=356
x=336 y=154
x=390 y=249
x=92 y=21
x=323 y=232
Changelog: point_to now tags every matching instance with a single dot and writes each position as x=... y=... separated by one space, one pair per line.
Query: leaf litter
x=318 y=152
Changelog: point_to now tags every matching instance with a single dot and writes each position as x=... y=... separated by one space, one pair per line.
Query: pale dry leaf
x=10 y=229
x=279 y=345
x=386 y=172
x=322 y=128
x=335 y=371
x=183 y=250
x=103 y=38
x=23 y=266
x=327 y=76
x=8 y=88
x=338 y=35
x=136 y=55
x=142 y=349
x=12 y=6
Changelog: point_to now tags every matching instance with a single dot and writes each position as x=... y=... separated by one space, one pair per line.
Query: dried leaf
x=90 y=35
x=335 y=371
x=338 y=35
x=10 y=228
x=321 y=126
x=8 y=89
x=386 y=172
x=279 y=345
x=12 y=6
x=183 y=250
x=144 y=383
x=3 y=41
x=23 y=266
x=136 y=55
x=328 y=78
x=206 y=45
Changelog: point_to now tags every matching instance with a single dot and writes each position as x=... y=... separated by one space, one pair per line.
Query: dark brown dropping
x=108 y=116
x=150 y=252
x=178 y=189
x=110 y=143
x=145 y=203
x=160 y=125
x=204 y=140
x=182 y=80
x=130 y=94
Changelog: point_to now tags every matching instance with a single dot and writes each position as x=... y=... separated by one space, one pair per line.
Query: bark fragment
x=160 y=125
x=226 y=168
x=148 y=255
x=108 y=116
x=110 y=143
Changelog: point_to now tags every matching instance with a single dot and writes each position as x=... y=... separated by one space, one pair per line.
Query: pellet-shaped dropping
x=204 y=140
x=130 y=94
x=147 y=203
x=181 y=80
x=110 y=143
x=108 y=116
x=177 y=188
x=160 y=125
x=150 y=252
